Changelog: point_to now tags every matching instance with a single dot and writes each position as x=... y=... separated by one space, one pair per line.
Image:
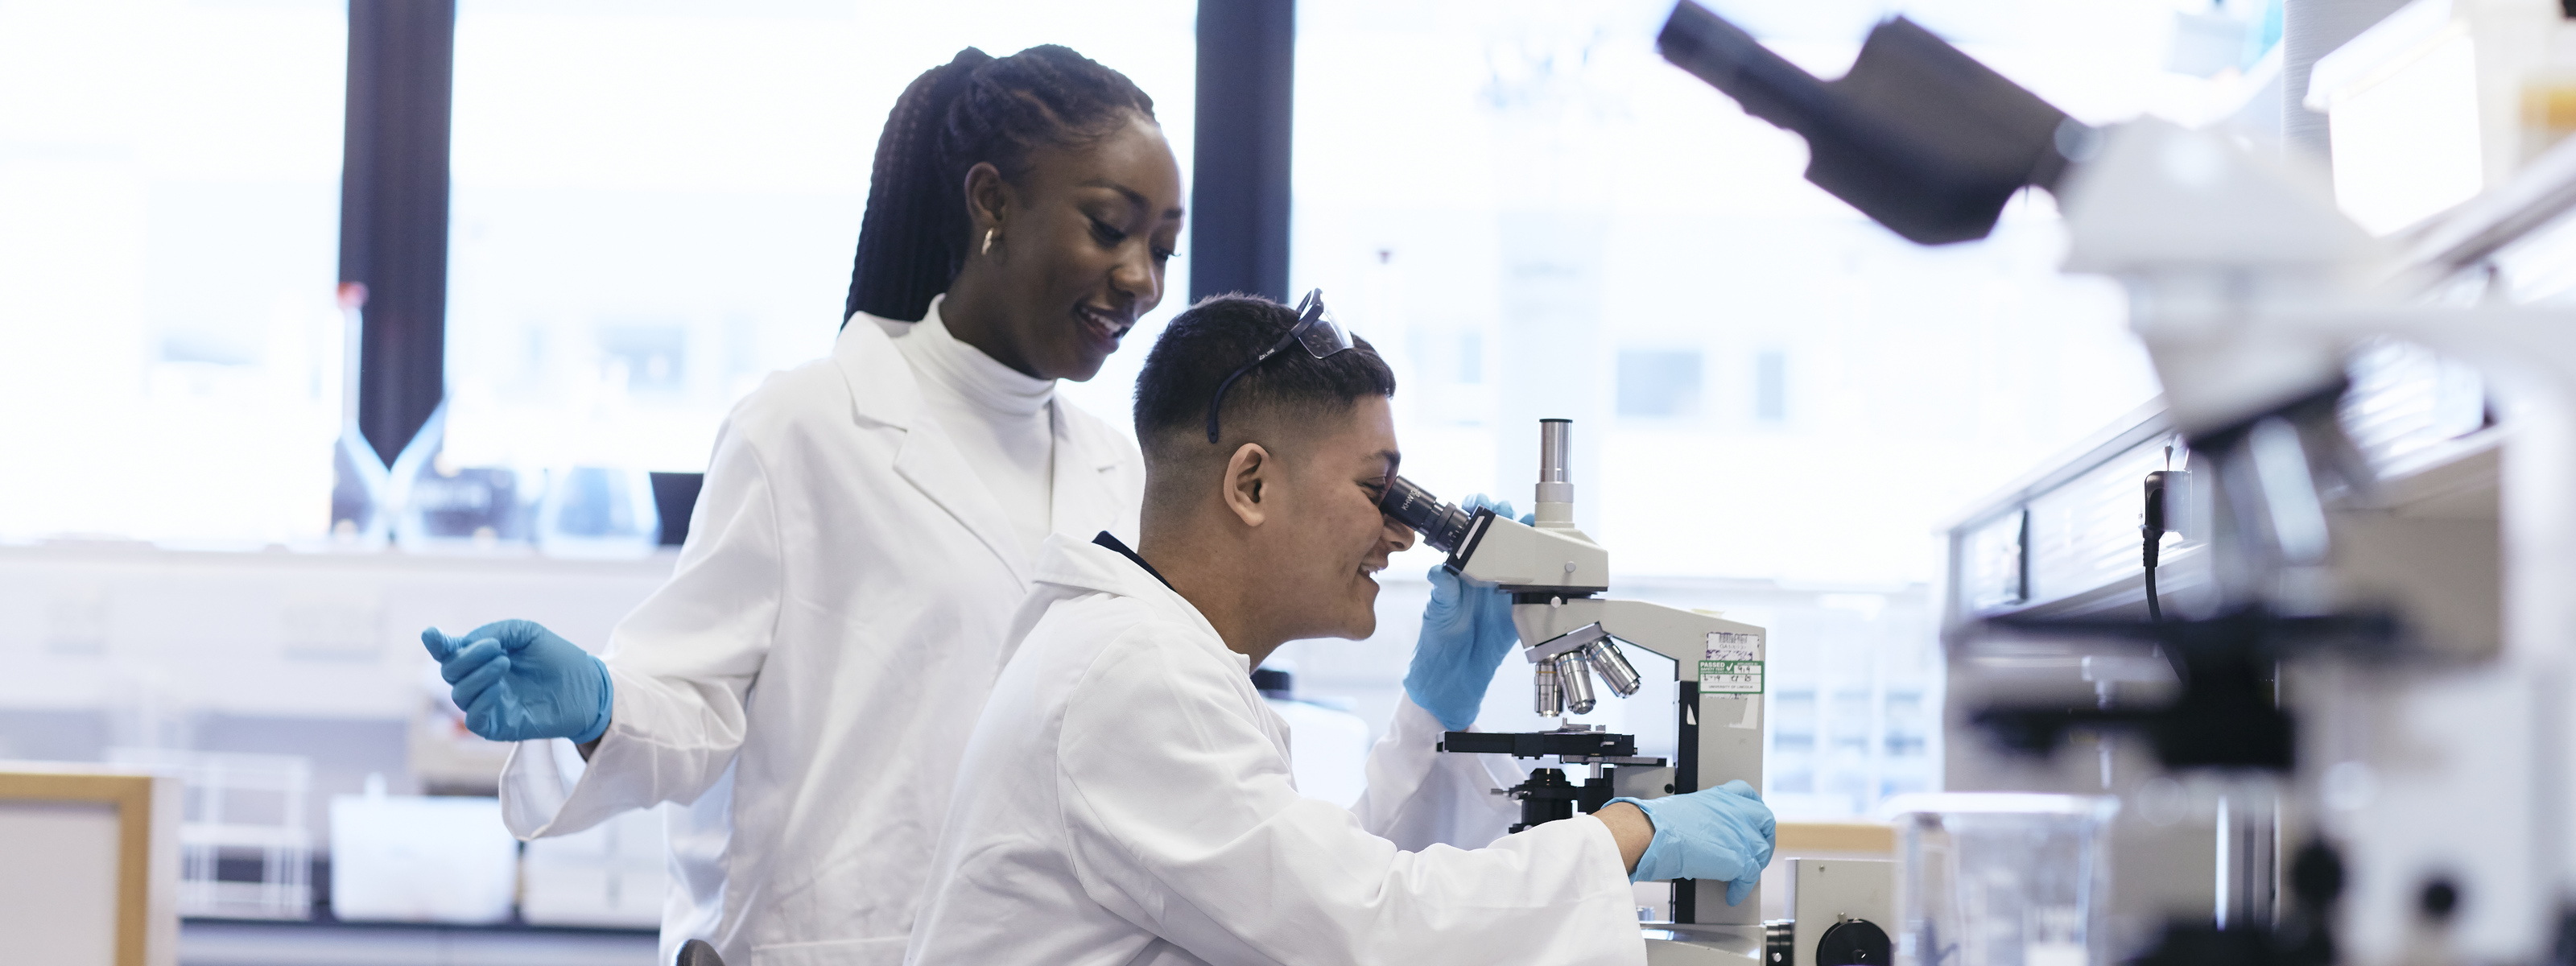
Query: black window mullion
x=1239 y=208
x=393 y=209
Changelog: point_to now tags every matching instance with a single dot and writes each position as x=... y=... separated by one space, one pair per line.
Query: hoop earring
x=988 y=239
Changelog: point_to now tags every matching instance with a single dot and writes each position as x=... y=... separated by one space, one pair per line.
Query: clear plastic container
x=1999 y=879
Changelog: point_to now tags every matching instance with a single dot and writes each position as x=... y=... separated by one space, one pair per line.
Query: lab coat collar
x=884 y=391
x=1085 y=451
x=882 y=387
x=1111 y=541
x=1072 y=564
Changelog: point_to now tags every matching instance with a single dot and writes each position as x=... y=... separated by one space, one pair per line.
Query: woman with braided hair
x=803 y=686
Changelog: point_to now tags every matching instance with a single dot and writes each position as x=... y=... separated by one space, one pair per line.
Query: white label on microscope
x=1723 y=646
x=1730 y=677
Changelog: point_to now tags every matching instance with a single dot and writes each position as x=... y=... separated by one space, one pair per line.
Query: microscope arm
x=1681 y=636
x=1719 y=732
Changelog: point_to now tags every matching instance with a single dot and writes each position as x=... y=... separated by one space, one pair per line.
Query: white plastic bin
x=403 y=858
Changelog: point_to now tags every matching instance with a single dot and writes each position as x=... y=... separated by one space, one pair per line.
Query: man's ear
x=1247 y=478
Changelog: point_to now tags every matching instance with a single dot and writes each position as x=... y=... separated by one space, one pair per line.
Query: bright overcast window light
x=1655 y=383
x=656 y=205
x=169 y=245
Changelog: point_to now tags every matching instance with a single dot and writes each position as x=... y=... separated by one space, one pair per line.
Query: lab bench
x=220 y=942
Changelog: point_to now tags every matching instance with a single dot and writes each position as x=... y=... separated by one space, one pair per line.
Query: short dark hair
x=1213 y=338
x=973 y=109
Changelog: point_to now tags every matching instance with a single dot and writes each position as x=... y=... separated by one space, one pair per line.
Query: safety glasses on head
x=1315 y=329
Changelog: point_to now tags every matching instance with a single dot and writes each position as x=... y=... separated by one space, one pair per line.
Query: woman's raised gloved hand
x=517 y=681
x=1723 y=833
x=1466 y=632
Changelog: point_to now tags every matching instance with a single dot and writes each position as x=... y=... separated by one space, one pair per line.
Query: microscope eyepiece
x=1441 y=525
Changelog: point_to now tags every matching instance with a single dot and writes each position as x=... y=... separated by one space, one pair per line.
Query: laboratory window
x=169 y=245
x=1771 y=386
x=655 y=206
x=1659 y=383
x=1523 y=187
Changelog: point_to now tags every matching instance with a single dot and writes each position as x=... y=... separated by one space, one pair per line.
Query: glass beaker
x=2001 y=879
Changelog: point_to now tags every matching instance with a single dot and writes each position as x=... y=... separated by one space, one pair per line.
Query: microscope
x=2333 y=661
x=1573 y=634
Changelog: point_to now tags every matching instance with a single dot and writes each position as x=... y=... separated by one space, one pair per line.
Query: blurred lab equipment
x=613 y=875
x=249 y=808
x=467 y=507
x=2000 y=879
x=1839 y=914
x=1917 y=135
x=361 y=504
x=407 y=858
x=1556 y=575
x=598 y=512
x=446 y=756
x=262 y=663
x=361 y=487
x=2357 y=669
x=425 y=501
x=403 y=476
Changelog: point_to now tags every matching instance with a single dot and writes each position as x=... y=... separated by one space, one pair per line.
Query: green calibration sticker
x=1733 y=664
x=1730 y=677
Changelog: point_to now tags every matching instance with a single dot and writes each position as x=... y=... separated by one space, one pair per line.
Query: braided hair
x=972 y=110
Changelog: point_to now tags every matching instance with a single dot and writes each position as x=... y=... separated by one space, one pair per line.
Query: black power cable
x=2159 y=483
x=2155 y=611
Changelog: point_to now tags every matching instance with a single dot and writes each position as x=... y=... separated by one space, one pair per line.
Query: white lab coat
x=1127 y=798
x=833 y=625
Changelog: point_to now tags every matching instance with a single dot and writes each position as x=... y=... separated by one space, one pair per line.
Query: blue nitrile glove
x=1723 y=833
x=517 y=681
x=1466 y=632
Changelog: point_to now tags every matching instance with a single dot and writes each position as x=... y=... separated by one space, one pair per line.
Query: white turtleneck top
x=999 y=416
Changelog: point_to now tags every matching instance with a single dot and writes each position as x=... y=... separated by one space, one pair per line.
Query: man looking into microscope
x=1126 y=795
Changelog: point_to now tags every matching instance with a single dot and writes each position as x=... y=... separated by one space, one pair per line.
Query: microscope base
x=1690 y=944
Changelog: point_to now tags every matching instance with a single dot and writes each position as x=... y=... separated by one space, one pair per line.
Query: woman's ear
x=1247 y=474
x=988 y=200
